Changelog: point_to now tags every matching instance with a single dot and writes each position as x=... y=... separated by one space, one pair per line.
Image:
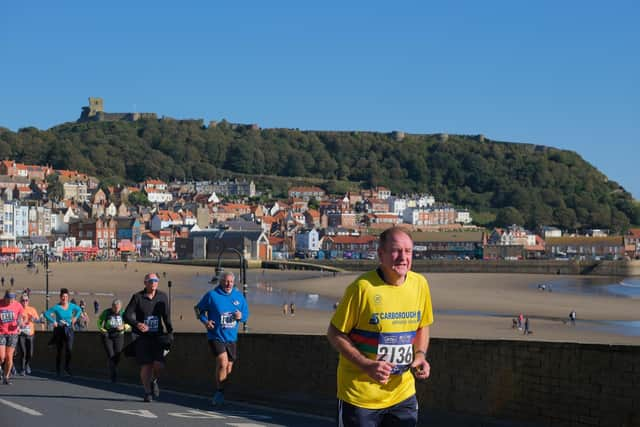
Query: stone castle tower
x=94 y=112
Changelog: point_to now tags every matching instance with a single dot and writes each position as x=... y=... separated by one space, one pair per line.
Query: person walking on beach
x=292 y=308
x=220 y=310
x=149 y=315
x=10 y=322
x=526 y=326
x=63 y=316
x=379 y=356
x=572 y=317
x=285 y=309
x=112 y=327
x=520 y=320
x=96 y=306
x=27 y=335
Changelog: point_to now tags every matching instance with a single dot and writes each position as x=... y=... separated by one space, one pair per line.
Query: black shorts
x=9 y=340
x=218 y=347
x=149 y=350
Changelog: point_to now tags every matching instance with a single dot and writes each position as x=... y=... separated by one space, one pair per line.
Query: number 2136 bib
x=396 y=348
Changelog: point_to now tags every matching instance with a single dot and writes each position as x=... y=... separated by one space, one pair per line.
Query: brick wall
x=473 y=382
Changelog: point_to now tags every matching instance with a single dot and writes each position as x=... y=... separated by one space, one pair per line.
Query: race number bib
x=114 y=322
x=153 y=323
x=396 y=349
x=228 y=320
x=6 y=316
x=26 y=330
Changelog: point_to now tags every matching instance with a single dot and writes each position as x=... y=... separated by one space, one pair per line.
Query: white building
x=425 y=201
x=308 y=241
x=21 y=220
x=463 y=217
x=8 y=230
x=397 y=205
x=156 y=196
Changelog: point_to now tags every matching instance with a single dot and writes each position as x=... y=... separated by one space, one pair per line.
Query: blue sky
x=556 y=73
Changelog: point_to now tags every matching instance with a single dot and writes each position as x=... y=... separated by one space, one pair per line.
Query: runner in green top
x=112 y=326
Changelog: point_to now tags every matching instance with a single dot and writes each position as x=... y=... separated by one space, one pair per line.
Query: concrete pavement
x=42 y=399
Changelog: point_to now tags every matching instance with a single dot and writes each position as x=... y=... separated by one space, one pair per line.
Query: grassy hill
x=513 y=183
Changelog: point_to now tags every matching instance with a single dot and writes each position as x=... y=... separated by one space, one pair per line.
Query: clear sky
x=557 y=73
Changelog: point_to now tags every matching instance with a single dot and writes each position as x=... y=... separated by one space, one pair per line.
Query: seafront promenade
x=476 y=382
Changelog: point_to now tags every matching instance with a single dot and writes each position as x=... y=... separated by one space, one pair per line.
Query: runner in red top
x=10 y=314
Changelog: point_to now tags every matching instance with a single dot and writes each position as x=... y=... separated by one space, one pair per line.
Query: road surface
x=42 y=399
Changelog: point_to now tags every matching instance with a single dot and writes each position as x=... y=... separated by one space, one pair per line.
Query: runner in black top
x=149 y=316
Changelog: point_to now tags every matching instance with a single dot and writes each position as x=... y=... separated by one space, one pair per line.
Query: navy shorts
x=403 y=414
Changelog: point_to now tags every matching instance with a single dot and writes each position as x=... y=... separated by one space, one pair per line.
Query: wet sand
x=489 y=300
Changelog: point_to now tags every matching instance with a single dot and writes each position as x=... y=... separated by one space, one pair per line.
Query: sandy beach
x=467 y=305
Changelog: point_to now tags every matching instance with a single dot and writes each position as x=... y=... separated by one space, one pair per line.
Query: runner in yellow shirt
x=381 y=330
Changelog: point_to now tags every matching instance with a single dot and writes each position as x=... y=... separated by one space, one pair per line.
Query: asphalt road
x=44 y=400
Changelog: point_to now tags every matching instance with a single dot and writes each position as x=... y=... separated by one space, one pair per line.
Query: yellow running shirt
x=381 y=320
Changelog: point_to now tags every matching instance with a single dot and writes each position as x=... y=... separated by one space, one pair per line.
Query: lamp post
x=46 y=280
x=243 y=275
x=170 y=302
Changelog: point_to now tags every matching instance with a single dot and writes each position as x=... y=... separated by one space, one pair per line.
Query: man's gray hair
x=116 y=302
x=226 y=274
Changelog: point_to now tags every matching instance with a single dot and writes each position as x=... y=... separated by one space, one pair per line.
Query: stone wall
x=473 y=382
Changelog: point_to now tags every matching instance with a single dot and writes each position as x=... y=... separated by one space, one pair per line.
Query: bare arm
x=377 y=370
x=421 y=367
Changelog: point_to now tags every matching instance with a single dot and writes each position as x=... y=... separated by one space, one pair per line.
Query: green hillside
x=513 y=183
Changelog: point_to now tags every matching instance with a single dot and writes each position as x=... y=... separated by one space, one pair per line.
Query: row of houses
x=193 y=220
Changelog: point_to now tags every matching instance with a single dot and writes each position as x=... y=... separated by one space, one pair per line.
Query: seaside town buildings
x=200 y=219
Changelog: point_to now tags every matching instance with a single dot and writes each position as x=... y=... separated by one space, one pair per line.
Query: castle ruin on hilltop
x=94 y=112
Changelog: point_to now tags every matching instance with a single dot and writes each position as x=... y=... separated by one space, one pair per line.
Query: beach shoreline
x=467 y=305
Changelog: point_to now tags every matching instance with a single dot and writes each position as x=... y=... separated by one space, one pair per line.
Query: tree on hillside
x=55 y=189
x=509 y=216
x=139 y=198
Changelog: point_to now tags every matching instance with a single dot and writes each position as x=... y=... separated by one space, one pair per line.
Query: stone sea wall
x=473 y=382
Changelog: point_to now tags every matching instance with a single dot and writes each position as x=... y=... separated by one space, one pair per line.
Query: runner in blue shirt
x=63 y=317
x=221 y=310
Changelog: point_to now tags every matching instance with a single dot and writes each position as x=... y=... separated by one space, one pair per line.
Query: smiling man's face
x=395 y=257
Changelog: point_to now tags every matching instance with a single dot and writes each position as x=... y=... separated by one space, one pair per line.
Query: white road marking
x=137 y=412
x=196 y=414
x=245 y=425
x=21 y=408
x=246 y=414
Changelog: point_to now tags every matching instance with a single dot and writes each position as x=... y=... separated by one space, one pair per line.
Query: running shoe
x=147 y=397
x=28 y=369
x=218 y=399
x=6 y=381
x=155 y=388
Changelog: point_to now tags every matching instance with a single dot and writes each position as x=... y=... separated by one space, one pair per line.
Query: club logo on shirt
x=236 y=302
x=374 y=319
x=377 y=299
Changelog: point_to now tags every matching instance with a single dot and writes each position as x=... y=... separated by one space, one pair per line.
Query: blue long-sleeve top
x=73 y=311
x=220 y=307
